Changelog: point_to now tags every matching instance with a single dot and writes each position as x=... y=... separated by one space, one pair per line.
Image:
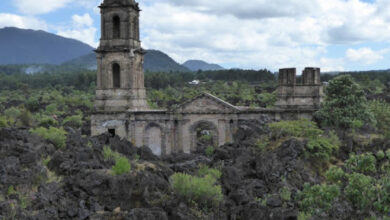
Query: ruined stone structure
x=121 y=108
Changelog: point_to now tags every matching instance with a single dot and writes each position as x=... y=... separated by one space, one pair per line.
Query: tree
x=345 y=104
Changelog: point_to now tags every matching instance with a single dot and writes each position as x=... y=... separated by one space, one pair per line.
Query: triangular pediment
x=206 y=103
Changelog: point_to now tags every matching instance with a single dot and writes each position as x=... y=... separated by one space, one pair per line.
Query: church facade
x=121 y=107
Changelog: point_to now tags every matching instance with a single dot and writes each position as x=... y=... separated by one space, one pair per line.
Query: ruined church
x=121 y=108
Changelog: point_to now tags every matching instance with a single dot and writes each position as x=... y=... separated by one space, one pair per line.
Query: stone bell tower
x=120 y=57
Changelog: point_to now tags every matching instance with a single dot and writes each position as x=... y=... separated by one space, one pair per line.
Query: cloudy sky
x=253 y=34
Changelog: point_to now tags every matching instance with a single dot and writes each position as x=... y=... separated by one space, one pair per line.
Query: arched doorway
x=153 y=139
x=203 y=135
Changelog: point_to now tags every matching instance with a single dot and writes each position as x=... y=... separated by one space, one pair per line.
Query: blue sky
x=331 y=34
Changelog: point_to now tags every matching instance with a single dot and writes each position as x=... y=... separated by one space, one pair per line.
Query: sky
x=335 y=35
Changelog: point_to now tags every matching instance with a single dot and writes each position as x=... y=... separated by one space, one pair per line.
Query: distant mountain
x=21 y=46
x=157 y=61
x=195 y=65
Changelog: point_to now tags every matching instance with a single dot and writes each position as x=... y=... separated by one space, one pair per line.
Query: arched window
x=116 y=75
x=116 y=27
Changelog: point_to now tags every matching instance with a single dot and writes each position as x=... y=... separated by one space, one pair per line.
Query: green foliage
x=46 y=160
x=11 y=191
x=4 y=122
x=204 y=170
x=47 y=121
x=381 y=111
x=298 y=128
x=32 y=104
x=388 y=154
x=209 y=151
x=56 y=136
x=318 y=199
x=345 y=104
x=380 y=155
x=285 y=194
x=121 y=166
x=382 y=203
x=268 y=99
x=25 y=118
x=320 y=148
x=360 y=190
x=363 y=163
x=335 y=175
x=109 y=154
x=202 y=190
x=73 y=121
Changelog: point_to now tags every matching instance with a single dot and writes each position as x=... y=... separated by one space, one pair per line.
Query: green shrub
x=32 y=104
x=4 y=122
x=56 y=136
x=262 y=144
x=320 y=148
x=25 y=118
x=202 y=190
x=380 y=155
x=209 y=151
x=51 y=109
x=382 y=203
x=47 y=121
x=11 y=191
x=109 y=154
x=12 y=114
x=318 y=199
x=381 y=111
x=335 y=175
x=121 y=166
x=388 y=154
x=360 y=190
x=204 y=170
x=285 y=194
x=345 y=104
x=363 y=163
x=73 y=121
x=298 y=128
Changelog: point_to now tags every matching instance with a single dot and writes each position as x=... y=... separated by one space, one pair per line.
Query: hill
x=195 y=65
x=21 y=46
x=157 y=61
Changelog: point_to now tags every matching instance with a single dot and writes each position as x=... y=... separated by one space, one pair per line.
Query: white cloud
x=12 y=20
x=82 y=29
x=263 y=33
x=82 y=20
x=365 y=55
x=33 y=7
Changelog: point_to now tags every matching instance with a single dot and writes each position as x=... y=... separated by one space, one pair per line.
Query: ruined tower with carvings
x=121 y=108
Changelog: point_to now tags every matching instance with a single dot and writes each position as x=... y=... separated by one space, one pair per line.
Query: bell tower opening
x=116 y=75
x=116 y=27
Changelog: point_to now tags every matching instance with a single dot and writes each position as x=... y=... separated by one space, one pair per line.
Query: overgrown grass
x=201 y=189
x=122 y=164
x=56 y=136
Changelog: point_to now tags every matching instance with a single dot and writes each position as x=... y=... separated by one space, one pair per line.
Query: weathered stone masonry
x=121 y=108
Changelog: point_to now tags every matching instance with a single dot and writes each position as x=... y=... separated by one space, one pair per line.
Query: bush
x=363 y=163
x=285 y=194
x=383 y=198
x=73 y=121
x=202 y=190
x=204 y=170
x=320 y=148
x=380 y=155
x=360 y=190
x=47 y=121
x=109 y=154
x=56 y=136
x=335 y=175
x=298 y=128
x=318 y=199
x=344 y=104
x=32 y=104
x=3 y=122
x=12 y=114
x=209 y=151
x=381 y=111
x=121 y=166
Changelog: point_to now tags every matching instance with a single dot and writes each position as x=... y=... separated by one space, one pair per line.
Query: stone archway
x=153 y=138
x=203 y=133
